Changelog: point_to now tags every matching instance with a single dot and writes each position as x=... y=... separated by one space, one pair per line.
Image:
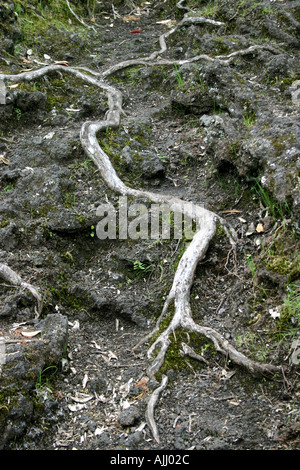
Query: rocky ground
x=222 y=131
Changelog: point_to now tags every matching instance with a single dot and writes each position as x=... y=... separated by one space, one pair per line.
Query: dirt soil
x=97 y=395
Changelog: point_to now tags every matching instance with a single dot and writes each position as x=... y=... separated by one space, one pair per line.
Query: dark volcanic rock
x=25 y=361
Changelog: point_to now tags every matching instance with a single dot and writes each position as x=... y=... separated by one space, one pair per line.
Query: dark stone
x=129 y=416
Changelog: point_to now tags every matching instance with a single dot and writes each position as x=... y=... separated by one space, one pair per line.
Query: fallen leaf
x=131 y=18
x=137 y=31
x=99 y=431
x=77 y=407
x=82 y=398
x=15 y=85
x=274 y=313
x=142 y=383
x=260 y=228
x=49 y=135
x=227 y=374
x=250 y=230
x=85 y=380
x=26 y=61
x=30 y=334
x=62 y=62
x=111 y=355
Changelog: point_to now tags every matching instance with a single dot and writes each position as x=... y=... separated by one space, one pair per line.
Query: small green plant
x=249 y=118
x=18 y=113
x=179 y=78
x=289 y=320
x=276 y=209
x=139 y=266
x=85 y=164
x=70 y=200
x=92 y=234
x=9 y=188
x=133 y=75
x=251 y=264
x=45 y=376
x=252 y=343
x=208 y=10
x=163 y=158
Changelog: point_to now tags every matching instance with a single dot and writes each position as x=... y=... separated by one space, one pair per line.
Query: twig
x=77 y=18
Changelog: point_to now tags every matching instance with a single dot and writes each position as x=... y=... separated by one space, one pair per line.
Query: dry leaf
x=77 y=407
x=4 y=160
x=26 y=61
x=111 y=355
x=82 y=398
x=227 y=374
x=30 y=334
x=260 y=228
x=143 y=383
x=250 y=230
x=85 y=380
x=130 y=18
x=62 y=62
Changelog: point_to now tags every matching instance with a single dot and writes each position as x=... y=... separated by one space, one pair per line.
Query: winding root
x=207 y=221
x=13 y=278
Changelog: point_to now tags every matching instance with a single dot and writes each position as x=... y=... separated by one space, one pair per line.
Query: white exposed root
x=207 y=221
x=151 y=405
x=8 y=275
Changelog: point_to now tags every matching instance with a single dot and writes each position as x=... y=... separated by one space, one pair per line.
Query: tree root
x=207 y=221
x=13 y=278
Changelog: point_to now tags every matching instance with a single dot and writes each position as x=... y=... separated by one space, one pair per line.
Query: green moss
x=222 y=47
x=113 y=141
x=174 y=360
x=61 y=291
x=282 y=142
x=4 y=223
x=81 y=219
x=282 y=255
